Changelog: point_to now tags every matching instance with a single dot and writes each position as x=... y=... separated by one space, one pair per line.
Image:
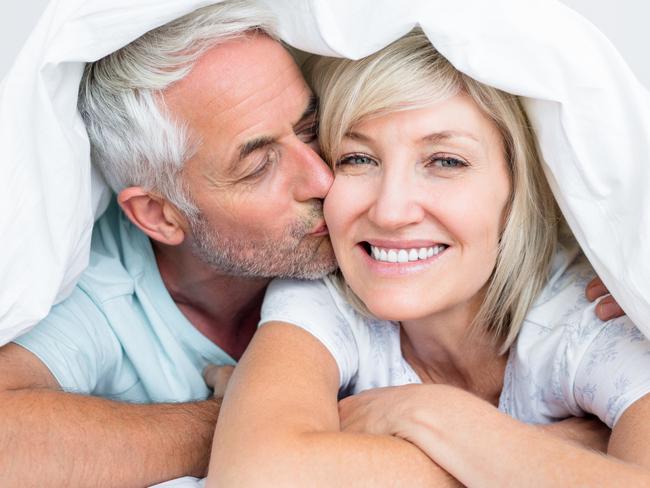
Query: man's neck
x=225 y=309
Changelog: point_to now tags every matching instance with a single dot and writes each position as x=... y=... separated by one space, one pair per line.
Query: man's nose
x=314 y=177
x=396 y=201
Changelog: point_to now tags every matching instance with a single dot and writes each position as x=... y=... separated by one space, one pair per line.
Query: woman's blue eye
x=447 y=162
x=355 y=159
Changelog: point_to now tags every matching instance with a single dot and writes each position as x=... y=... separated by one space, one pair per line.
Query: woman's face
x=417 y=208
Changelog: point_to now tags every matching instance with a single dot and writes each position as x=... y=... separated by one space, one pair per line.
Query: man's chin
x=311 y=261
x=323 y=261
x=309 y=257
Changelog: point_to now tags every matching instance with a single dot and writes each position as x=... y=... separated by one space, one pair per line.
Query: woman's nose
x=396 y=203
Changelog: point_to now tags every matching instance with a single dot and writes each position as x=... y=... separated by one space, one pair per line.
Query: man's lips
x=320 y=231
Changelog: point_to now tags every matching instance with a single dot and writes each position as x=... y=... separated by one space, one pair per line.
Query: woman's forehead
x=454 y=118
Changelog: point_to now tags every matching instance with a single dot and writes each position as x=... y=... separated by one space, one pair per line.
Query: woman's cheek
x=339 y=205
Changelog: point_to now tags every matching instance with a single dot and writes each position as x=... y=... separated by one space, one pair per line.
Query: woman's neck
x=446 y=349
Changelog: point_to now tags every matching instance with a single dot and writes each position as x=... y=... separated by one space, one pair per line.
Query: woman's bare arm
x=279 y=425
x=481 y=446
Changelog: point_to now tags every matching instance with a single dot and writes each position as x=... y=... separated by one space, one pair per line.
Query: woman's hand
x=377 y=411
x=401 y=410
x=398 y=411
x=481 y=446
x=388 y=410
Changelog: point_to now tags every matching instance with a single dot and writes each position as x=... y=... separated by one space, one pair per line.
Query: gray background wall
x=625 y=22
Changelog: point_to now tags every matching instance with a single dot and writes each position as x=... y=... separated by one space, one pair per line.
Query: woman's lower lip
x=396 y=269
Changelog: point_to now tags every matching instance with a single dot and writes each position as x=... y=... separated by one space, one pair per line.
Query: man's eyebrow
x=249 y=147
x=309 y=112
x=253 y=145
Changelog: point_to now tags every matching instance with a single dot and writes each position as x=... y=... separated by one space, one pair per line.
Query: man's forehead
x=234 y=82
x=240 y=91
x=228 y=69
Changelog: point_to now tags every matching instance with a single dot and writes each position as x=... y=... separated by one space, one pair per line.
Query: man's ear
x=153 y=215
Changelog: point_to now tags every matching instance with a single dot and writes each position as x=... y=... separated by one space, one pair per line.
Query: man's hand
x=217 y=377
x=607 y=307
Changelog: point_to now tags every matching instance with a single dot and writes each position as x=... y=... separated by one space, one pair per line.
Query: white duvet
x=591 y=115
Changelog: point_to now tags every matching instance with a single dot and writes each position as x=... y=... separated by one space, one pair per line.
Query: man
x=219 y=188
x=206 y=131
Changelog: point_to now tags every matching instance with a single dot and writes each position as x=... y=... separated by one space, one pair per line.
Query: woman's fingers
x=376 y=411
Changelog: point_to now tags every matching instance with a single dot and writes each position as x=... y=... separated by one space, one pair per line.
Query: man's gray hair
x=134 y=141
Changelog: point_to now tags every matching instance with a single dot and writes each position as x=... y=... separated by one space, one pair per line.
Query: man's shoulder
x=115 y=247
x=105 y=279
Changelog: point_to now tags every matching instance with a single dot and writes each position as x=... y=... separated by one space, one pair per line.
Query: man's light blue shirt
x=120 y=335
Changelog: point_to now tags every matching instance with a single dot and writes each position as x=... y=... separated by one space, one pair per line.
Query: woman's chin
x=396 y=310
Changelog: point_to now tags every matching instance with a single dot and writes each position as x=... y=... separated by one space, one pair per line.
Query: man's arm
x=52 y=438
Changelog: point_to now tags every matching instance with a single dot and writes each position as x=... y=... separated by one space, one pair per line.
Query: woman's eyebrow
x=357 y=136
x=448 y=134
x=432 y=138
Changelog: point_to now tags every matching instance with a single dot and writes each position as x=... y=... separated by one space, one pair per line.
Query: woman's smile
x=397 y=258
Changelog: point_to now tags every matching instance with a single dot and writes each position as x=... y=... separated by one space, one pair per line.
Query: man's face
x=256 y=177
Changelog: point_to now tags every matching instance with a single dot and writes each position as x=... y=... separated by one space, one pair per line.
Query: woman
x=456 y=292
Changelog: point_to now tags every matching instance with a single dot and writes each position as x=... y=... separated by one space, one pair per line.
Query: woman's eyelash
x=355 y=159
x=440 y=161
x=447 y=162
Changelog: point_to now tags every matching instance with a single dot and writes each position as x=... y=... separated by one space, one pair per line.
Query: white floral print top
x=565 y=362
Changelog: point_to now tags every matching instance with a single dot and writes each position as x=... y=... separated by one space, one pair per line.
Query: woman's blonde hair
x=408 y=74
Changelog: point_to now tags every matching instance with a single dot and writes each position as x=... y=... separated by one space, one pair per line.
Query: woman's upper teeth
x=405 y=255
